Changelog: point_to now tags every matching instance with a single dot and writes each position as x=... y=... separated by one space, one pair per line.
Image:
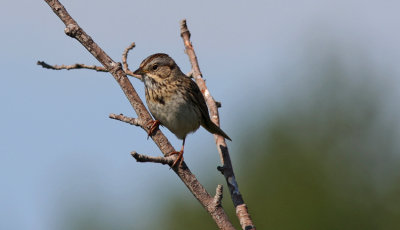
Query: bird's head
x=157 y=67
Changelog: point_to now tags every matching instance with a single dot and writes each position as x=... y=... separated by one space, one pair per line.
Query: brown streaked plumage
x=174 y=100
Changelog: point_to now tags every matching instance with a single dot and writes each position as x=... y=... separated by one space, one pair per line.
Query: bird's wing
x=197 y=97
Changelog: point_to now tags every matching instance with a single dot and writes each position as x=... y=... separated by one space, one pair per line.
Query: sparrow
x=174 y=100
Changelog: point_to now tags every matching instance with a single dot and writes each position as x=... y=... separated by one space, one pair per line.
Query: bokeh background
x=309 y=93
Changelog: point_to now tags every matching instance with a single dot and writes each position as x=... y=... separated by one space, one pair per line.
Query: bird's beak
x=139 y=72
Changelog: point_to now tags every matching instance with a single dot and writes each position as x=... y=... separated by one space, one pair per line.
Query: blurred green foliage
x=328 y=159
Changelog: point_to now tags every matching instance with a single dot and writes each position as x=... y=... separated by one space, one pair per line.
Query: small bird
x=174 y=100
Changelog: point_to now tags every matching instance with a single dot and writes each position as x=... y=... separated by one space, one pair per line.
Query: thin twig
x=145 y=158
x=74 y=66
x=125 y=63
x=129 y=120
x=80 y=66
x=227 y=169
x=73 y=30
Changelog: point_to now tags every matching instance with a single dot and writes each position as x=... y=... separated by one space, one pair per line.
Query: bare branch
x=226 y=169
x=74 y=66
x=129 y=120
x=144 y=158
x=73 y=30
x=80 y=66
x=125 y=63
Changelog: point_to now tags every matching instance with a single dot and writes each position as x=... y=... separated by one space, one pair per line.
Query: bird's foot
x=178 y=159
x=154 y=125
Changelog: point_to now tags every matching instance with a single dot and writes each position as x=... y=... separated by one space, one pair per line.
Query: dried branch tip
x=244 y=217
x=145 y=158
x=184 y=28
x=218 y=195
x=129 y=120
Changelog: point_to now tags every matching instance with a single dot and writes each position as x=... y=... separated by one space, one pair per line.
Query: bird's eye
x=155 y=67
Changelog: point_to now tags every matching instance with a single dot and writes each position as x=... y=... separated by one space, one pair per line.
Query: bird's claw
x=154 y=125
x=179 y=158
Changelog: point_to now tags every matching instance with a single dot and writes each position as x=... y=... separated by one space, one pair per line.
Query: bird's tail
x=213 y=128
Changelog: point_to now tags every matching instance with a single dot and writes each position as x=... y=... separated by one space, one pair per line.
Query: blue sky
x=58 y=146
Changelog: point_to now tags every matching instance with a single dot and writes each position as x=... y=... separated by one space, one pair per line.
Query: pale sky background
x=58 y=147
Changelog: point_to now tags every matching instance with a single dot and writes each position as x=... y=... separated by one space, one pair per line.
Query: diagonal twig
x=226 y=169
x=75 y=31
x=125 y=63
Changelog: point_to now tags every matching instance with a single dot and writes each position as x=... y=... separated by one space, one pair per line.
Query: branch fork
x=115 y=66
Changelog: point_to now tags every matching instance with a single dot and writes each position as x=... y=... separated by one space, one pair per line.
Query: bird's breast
x=173 y=111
